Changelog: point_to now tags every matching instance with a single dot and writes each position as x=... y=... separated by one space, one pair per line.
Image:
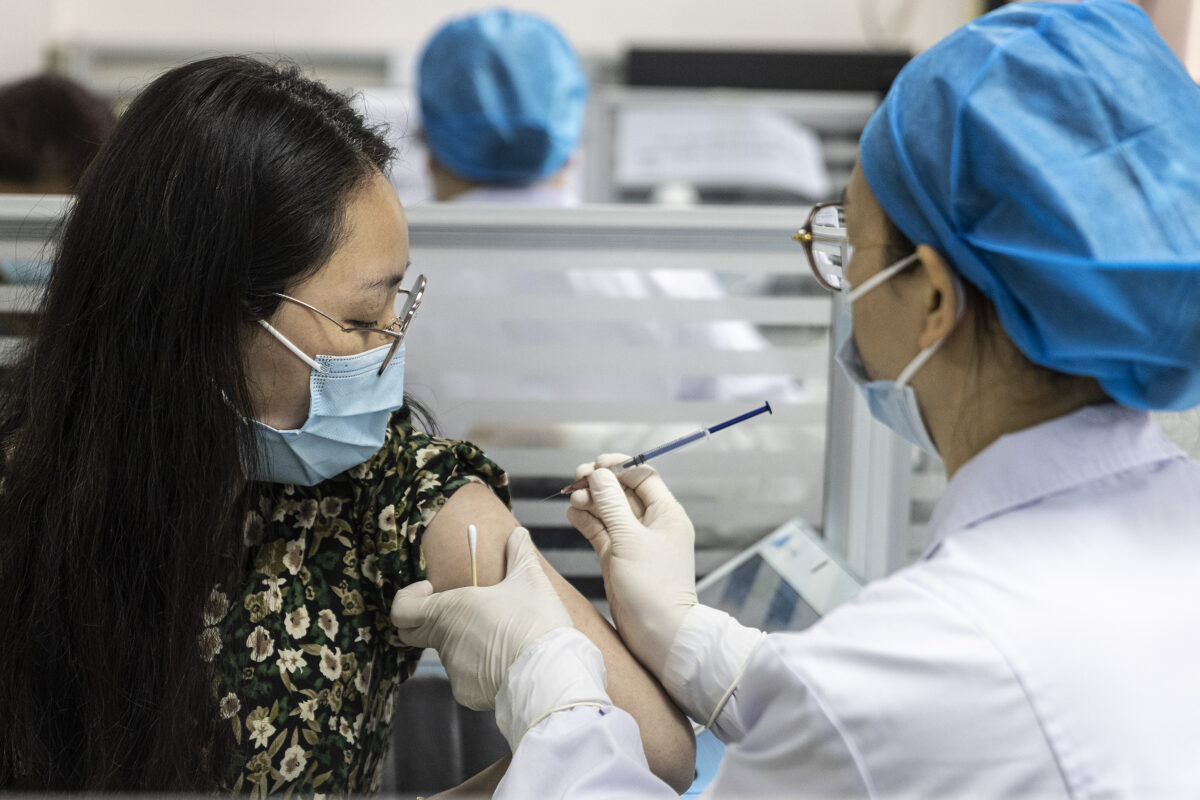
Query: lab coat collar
x=1023 y=467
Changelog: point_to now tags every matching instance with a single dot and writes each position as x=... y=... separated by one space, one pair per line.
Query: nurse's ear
x=941 y=309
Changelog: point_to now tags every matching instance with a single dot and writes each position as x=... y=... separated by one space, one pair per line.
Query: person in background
x=502 y=97
x=50 y=129
x=1019 y=254
x=211 y=482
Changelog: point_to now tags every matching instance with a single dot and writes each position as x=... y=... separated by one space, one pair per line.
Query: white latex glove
x=479 y=631
x=646 y=546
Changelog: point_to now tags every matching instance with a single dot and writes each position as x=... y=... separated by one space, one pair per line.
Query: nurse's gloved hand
x=646 y=545
x=479 y=631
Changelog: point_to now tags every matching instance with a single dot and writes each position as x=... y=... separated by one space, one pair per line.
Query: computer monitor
x=786 y=581
x=788 y=70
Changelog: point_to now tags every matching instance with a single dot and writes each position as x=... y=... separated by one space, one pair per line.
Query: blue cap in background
x=502 y=97
x=1051 y=152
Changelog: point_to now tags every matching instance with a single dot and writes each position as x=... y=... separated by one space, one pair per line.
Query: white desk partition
x=549 y=336
x=28 y=226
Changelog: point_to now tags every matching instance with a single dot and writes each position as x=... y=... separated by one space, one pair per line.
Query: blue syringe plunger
x=674 y=444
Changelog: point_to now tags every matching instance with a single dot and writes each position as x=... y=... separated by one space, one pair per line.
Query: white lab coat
x=1046 y=646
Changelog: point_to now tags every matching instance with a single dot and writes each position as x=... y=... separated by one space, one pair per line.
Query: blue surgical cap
x=502 y=97
x=1051 y=152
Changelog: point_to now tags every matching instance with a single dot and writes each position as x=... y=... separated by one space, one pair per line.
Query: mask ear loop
x=284 y=341
x=879 y=277
x=960 y=302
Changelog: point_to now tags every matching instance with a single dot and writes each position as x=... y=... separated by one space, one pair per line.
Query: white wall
x=1189 y=45
x=1178 y=22
x=25 y=30
x=599 y=27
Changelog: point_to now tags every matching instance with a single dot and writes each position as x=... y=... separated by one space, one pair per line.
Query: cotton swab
x=471 y=540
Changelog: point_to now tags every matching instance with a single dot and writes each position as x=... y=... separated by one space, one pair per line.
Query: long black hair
x=122 y=427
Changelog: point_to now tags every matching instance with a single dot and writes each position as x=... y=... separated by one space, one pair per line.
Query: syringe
x=675 y=444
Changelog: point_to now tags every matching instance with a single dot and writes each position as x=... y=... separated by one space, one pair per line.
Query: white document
x=748 y=147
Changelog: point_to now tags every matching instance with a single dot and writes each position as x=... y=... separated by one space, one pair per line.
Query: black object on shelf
x=845 y=71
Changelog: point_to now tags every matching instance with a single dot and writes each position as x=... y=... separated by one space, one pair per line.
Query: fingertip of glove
x=610 y=460
x=580 y=499
x=518 y=540
x=602 y=480
x=418 y=589
x=520 y=550
x=407 y=601
x=581 y=519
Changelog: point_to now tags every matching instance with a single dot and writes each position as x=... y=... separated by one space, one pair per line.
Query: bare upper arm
x=666 y=734
x=447 y=557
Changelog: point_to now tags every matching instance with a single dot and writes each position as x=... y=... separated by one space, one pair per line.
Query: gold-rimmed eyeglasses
x=824 y=239
x=404 y=306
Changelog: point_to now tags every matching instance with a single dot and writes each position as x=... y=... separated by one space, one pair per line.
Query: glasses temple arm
x=286 y=343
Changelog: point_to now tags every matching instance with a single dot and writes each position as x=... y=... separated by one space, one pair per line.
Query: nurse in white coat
x=1025 y=284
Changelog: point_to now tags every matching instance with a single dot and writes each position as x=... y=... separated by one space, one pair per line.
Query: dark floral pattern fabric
x=305 y=660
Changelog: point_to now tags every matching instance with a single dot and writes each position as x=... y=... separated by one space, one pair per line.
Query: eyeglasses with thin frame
x=824 y=239
x=404 y=307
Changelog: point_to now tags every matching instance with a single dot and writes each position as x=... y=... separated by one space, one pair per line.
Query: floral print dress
x=305 y=661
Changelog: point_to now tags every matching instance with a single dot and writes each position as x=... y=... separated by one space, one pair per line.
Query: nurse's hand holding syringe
x=645 y=542
x=646 y=545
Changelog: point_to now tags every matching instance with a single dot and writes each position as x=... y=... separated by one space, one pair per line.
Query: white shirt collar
x=1068 y=451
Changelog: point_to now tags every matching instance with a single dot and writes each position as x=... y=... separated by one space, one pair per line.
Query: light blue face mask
x=894 y=403
x=348 y=410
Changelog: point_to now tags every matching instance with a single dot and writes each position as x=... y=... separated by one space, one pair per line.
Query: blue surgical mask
x=348 y=410
x=894 y=402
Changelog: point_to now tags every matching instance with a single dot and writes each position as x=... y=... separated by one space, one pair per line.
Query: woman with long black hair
x=211 y=484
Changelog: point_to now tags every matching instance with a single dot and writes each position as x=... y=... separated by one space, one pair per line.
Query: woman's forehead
x=373 y=253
